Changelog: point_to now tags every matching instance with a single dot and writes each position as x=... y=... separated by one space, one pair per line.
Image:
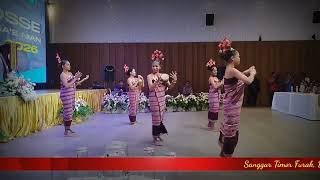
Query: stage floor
x=263 y=133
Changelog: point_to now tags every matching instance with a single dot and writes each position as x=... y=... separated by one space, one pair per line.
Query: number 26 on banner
x=26 y=47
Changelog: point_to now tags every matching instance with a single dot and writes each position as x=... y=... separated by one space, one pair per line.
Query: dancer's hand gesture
x=78 y=75
x=254 y=71
x=157 y=80
x=140 y=77
x=173 y=75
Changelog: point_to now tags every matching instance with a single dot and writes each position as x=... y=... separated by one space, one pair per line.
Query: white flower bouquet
x=115 y=102
x=108 y=102
x=203 y=100
x=143 y=102
x=193 y=102
x=182 y=102
x=122 y=102
x=15 y=84
x=82 y=109
x=171 y=101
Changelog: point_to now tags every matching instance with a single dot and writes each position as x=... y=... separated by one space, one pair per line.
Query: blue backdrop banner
x=23 y=22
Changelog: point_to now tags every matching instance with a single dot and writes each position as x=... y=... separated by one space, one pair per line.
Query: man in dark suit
x=253 y=92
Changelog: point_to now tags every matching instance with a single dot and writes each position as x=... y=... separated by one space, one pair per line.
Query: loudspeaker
x=209 y=19
x=109 y=74
x=316 y=17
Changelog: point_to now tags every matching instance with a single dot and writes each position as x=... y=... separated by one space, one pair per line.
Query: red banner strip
x=160 y=164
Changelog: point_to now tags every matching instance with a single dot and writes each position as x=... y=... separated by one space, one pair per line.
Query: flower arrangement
x=114 y=103
x=197 y=102
x=182 y=102
x=122 y=102
x=108 y=104
x=143 y=102
x=82 y=109
x=15 y=84
x=171 y=101
x=203 y=99
x=193 y=102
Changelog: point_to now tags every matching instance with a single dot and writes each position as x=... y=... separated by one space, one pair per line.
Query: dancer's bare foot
x=160 y=139
x=156 y=142
x=222 y=154
x=67 y=134
x=214 y=129
x=71 y=131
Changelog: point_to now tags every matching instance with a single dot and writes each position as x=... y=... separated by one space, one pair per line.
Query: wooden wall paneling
x=202 y=67
x=119 y=62
x=112 y=61
x=263 y=70
x=188 y=59
x=143 y=62
x=181 y=63
x=195 y=67
x=174 y=62
x=104 y=60
x=92 y=64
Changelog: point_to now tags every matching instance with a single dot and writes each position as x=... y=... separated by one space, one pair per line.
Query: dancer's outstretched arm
x=81 y=81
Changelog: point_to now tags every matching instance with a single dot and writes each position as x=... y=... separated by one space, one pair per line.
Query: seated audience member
x=187 y=89
x=97 y=85
x=253 y=92
x=288 y=83
x=273 y=85
x=119 y=88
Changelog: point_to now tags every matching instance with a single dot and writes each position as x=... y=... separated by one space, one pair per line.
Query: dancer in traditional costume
x=158 y=83
x=215 y=85
x=135 y=83
x=67 y=93
x=234 y=83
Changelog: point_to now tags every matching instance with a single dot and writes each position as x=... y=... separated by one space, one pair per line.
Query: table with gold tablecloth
x=19 y=118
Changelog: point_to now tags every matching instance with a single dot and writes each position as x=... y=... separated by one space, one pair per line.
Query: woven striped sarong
x=67 y=96
x=229 y=129
x=213 y=104
x=134 y=96
x=157 y=106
